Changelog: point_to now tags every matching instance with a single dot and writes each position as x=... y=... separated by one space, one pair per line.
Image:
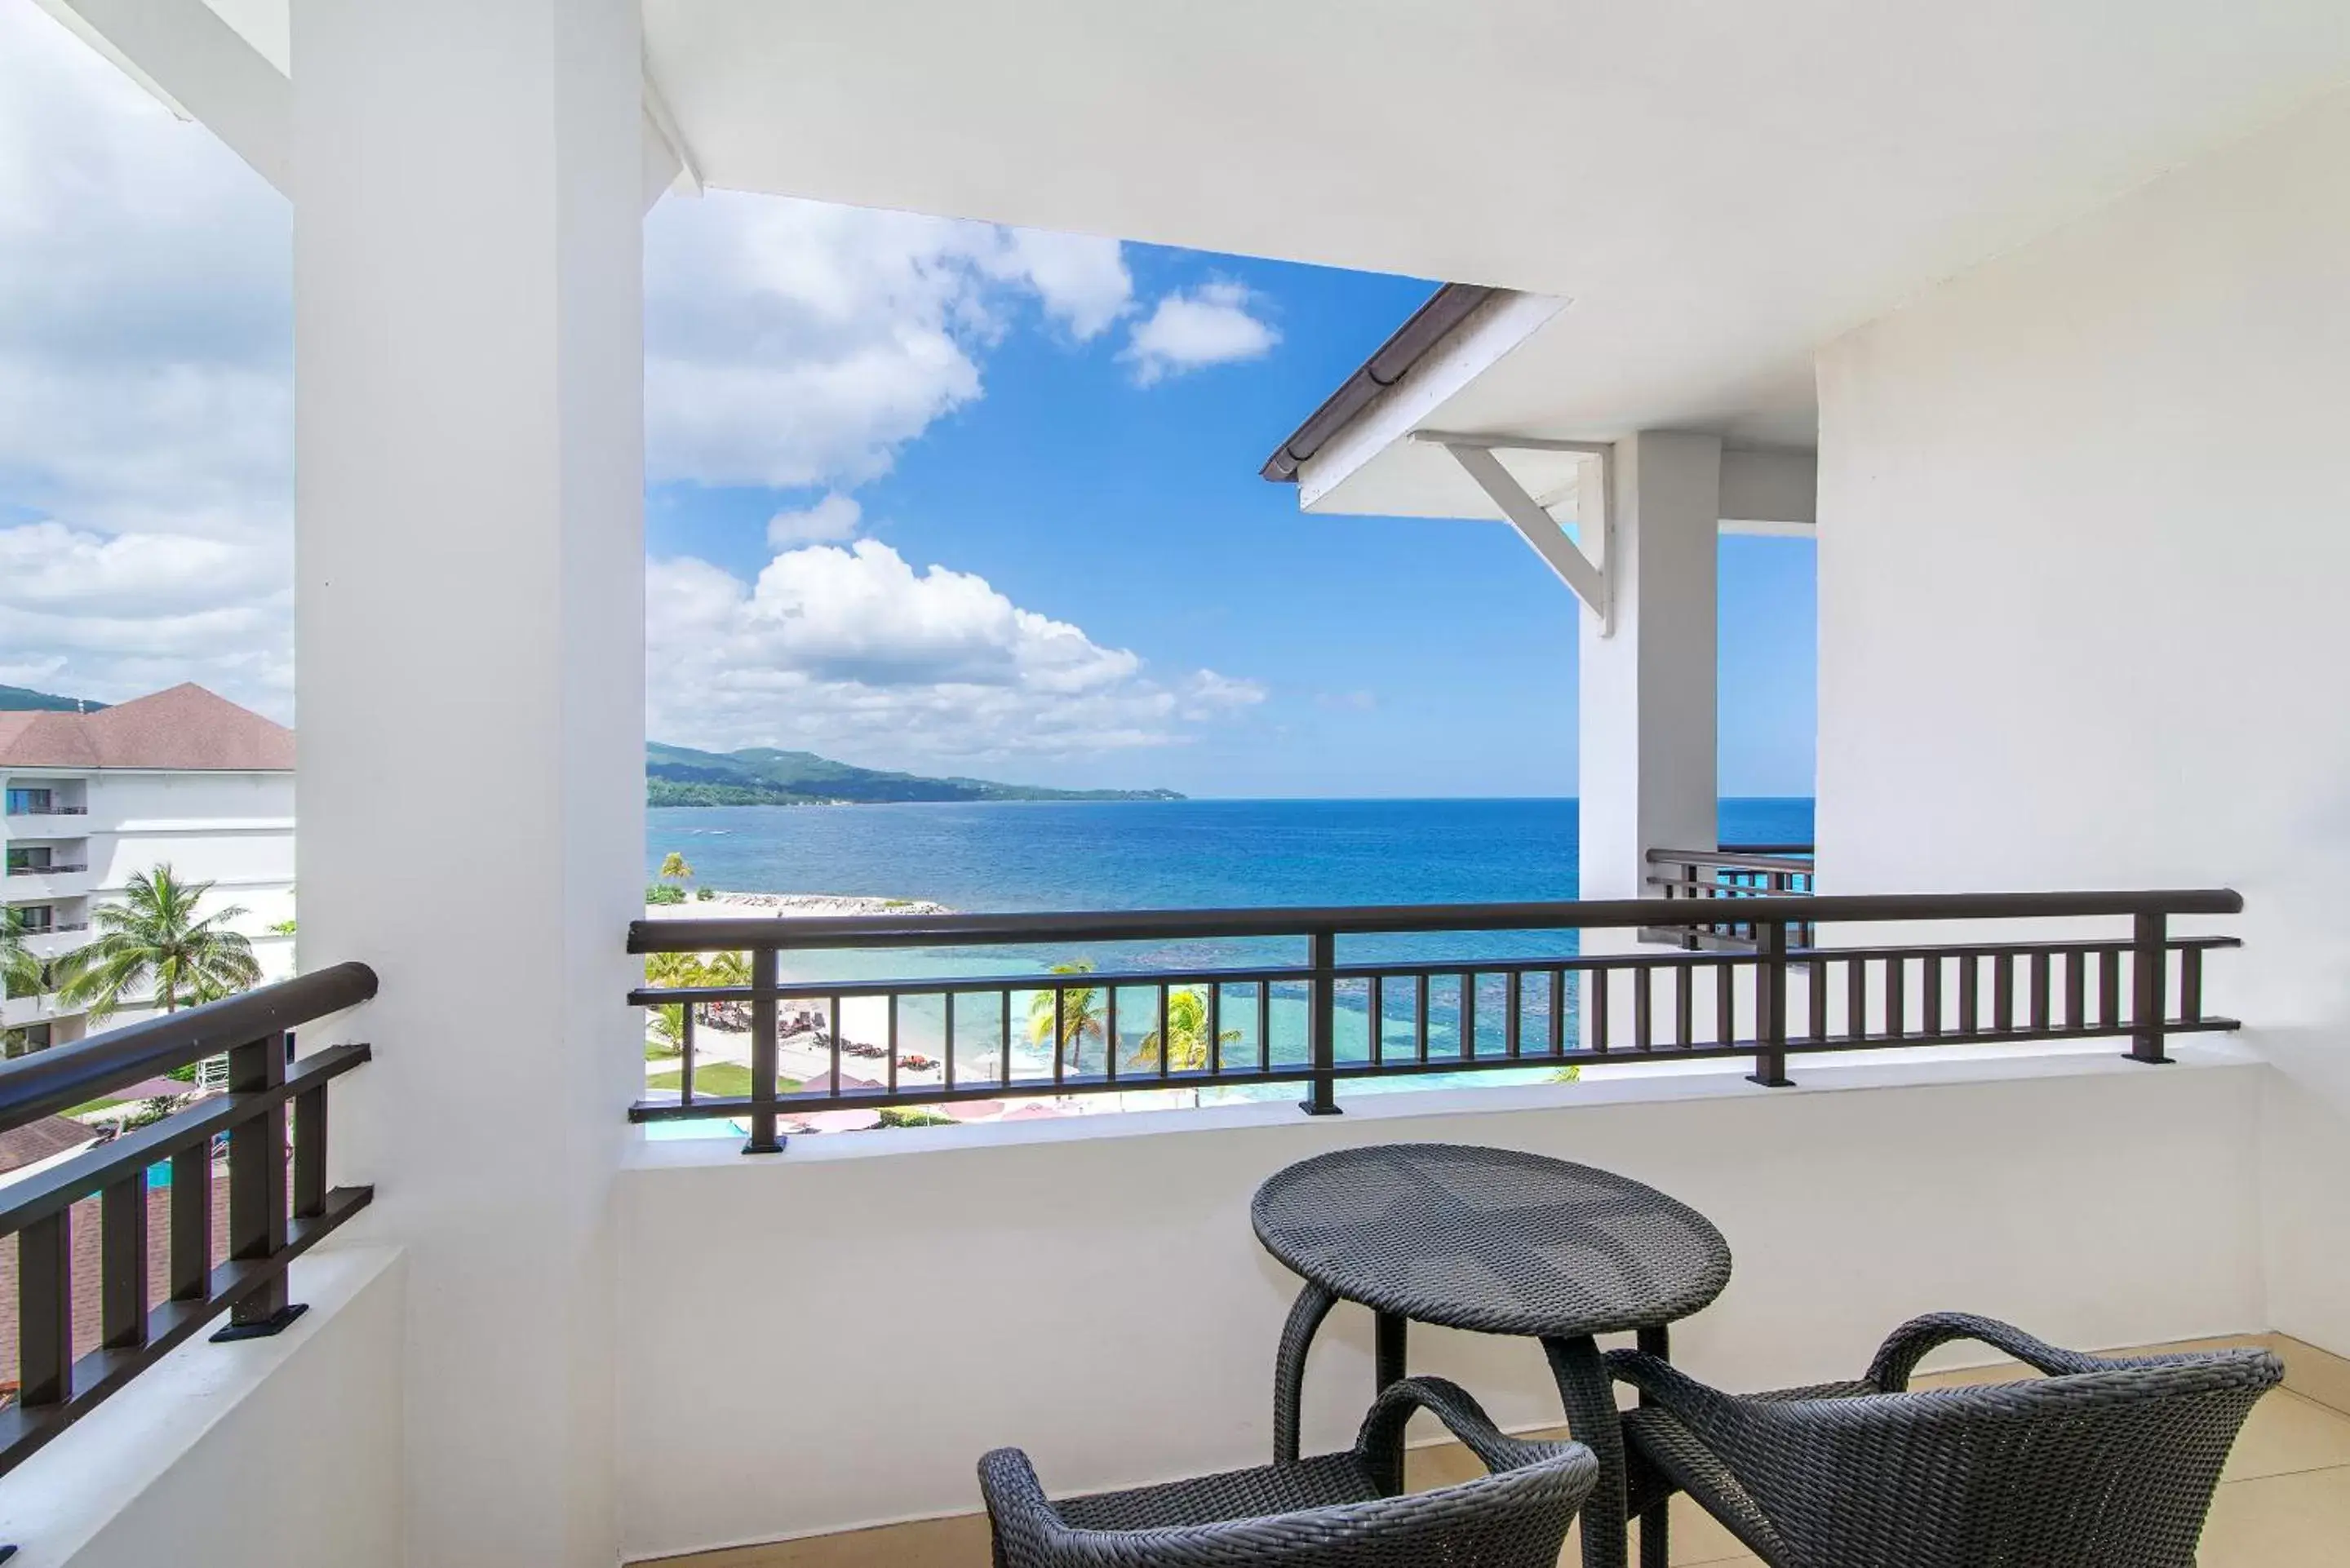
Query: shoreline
x=788 y=906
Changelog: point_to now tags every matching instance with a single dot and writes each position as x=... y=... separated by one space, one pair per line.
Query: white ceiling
x=1716 y=188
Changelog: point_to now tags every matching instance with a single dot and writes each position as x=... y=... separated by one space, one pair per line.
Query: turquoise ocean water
x=1205 y=853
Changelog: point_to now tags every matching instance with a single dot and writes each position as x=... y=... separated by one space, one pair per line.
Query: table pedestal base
x=1589 y=1396
x=1585 y=1390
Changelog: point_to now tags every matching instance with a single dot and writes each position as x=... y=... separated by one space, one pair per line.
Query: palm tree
x=154 y=952
x=21 y=974
x=677 y=971
x=1187 y=1035
x=1080 y=1014
x=674 y=868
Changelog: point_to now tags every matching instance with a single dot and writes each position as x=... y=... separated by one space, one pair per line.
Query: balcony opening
x=966 y=597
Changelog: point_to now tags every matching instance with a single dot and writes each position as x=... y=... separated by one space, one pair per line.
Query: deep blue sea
x=1194 y=853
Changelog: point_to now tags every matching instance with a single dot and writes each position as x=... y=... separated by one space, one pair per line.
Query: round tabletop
x=1490 y=1239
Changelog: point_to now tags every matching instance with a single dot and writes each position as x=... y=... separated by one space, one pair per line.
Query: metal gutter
x=1445 y=309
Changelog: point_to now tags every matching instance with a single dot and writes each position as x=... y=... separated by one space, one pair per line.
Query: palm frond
x=152 y=949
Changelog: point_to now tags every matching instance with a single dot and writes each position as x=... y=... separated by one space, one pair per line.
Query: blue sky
x=1395 y=656
x=921 y=494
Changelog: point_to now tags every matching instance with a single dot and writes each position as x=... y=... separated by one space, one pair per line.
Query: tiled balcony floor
x=2283 y=1503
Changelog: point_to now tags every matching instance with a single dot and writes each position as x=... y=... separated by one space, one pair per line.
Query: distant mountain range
x=23 y=700
x=678 y=775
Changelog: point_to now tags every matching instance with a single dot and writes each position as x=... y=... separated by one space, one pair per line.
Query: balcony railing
x=48 y=811
x=54 y=868
x=55 y=928
x=1311 y=1025
x=1734 y=871
x=266 y=1226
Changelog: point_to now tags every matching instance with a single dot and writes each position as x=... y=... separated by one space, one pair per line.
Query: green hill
x=678 y=775
x=23 y=700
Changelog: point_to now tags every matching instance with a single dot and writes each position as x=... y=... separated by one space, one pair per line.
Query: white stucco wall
x=833 y=1336
x=234 y=830
x=272 y=1453
x=2085 y=520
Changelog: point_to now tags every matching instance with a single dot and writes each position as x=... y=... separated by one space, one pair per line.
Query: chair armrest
x=1908 y=1344
x=1696 y=1405
x=1450 y=1404
x=1025 y=1520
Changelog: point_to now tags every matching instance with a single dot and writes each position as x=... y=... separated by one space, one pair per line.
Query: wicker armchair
x=1338 y=1510
x=2104 y=1463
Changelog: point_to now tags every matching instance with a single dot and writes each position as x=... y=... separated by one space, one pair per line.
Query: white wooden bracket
x=1593 y=581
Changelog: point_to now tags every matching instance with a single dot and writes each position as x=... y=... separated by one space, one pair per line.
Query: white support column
x=471 y=618
x=1649 y=721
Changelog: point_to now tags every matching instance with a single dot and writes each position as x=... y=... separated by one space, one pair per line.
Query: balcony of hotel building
x=2033 y=313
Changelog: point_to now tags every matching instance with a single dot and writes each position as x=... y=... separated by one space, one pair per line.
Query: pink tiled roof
x=186 y=729
x=37 y=1141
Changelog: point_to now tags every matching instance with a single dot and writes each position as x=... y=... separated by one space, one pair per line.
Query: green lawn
x=718 y=1080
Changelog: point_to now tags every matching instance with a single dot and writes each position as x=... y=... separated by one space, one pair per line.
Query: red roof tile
x=186 y=729
x=37 y=1141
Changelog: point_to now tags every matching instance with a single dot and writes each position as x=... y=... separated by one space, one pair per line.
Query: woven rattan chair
x=1339 y=1511
x=2104 y=1463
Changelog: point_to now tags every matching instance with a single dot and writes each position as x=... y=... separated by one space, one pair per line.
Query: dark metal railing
x=48 y=811
x=1734 y=871
x=278 y=1205
x=1237 y=1025
x=52 y=870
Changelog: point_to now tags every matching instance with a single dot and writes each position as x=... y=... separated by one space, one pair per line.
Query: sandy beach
x=800 y=1053
x=803 y=1052
x=787 y=905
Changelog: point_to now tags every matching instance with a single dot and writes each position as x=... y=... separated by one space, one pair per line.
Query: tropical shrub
x=914 y=1116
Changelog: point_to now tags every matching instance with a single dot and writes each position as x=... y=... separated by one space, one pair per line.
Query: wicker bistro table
x=1500 y=1242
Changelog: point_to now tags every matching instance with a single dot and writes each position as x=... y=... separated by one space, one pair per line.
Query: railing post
x=2149 y=968
x=44 y=1311
x=256 y=1189
x=1688 y=933
x=1769 y=1004
x=762 y=1139
x=1321 y=1026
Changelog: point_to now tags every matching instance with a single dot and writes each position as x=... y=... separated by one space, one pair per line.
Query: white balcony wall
x=2082 y=545
x=831 y=1337
x=30 y=887
x=41 y=827
x=273 y=1453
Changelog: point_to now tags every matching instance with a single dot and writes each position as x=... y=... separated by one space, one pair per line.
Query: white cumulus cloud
x=793 y=343
x=146 y=398
x=146 y=439
x=828 y=522
x=855 y=650
x=1189 y=329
